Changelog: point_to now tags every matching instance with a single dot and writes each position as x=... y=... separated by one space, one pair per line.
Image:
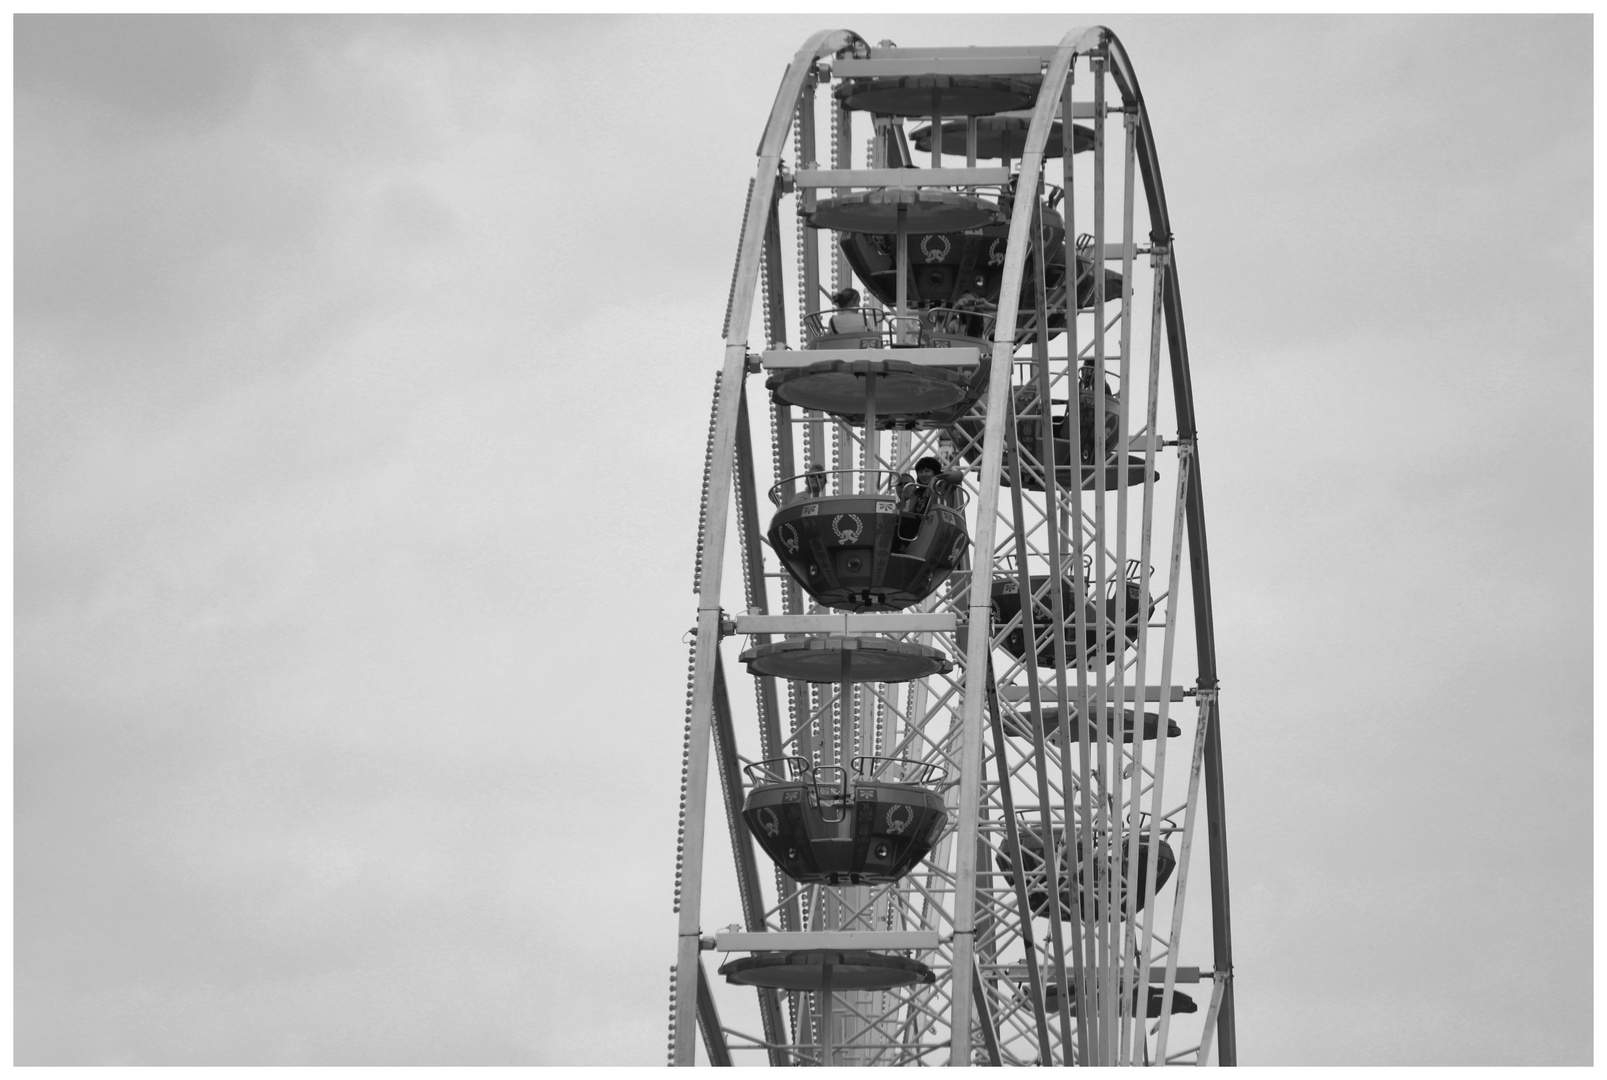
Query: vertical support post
x=828 y=1056
x=1220 y=986
x=1057 y=608
x=990 y=1030
x=1127 y=809
x=1169 y=632
x=1102 y=858
x=747 y=866
x=757 y=592
x=709 y=1021
x=808 y=237
x=1012 y=832
x=1029 y=634
x=1222 y=942
x=842 y=157
x=867 y=479
x=979 y=607
x=1180 y=890
x=902 y=293
x=1088 y=1015
x=1070 y=989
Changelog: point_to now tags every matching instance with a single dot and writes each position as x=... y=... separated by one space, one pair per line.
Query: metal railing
x=1135 y=571
x=896 y=770
x=778 y=770
x=820 y=483
x=885 y=483
x=873 y=328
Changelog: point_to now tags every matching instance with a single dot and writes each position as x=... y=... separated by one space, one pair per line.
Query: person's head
x=845 y=298
x=927 y=468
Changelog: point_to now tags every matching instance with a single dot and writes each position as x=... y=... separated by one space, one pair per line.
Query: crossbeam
x=985 y=176
x=938 y=65
x=958 y=356
x=1156 y=974
x=786 y=941
x=913 y=622
x=1129 y=693
x=894 y=52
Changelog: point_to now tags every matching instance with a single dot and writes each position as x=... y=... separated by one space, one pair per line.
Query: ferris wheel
x=953 y=443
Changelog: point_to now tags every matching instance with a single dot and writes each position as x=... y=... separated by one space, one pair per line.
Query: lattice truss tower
x=947 y=809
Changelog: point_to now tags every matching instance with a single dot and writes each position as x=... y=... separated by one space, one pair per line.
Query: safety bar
x=915 y=772
x=778 y=770
x=837 y=800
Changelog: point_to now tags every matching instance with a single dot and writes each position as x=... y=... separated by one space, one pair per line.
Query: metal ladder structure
x=1063 y=912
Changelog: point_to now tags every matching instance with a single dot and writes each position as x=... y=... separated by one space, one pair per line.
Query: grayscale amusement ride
x=962 y=824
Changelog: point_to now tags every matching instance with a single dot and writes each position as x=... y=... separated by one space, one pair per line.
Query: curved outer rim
x=1199 y=562
x=745 y=279
x=1079 y=41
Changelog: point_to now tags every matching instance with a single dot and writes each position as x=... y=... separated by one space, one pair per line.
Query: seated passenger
x=932 y=482
x=848 y=319
x=815 y=481
x=1007 y=197
x=1086 y=413
x=948 y=321
x=970 y=324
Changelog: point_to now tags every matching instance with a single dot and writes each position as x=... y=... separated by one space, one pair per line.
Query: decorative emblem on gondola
x=939 y=255
x=896 y=825
x=959 y=542
x=850 y=534
x=768 y=821
x=995 y=256
x=789 y=538
x=809 y=510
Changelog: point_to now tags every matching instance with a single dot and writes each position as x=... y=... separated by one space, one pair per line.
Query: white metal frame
x=1088 y=788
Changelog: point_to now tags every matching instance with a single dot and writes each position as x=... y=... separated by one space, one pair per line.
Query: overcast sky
x=362 y=368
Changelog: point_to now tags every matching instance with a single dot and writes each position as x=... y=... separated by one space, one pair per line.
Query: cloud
x=362 y=369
